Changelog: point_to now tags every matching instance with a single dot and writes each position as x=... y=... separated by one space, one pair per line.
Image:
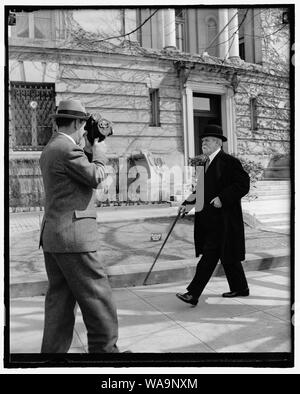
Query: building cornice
x=135 y=51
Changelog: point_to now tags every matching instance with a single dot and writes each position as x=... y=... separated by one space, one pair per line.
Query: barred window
x=31 y=106
x=155 y=107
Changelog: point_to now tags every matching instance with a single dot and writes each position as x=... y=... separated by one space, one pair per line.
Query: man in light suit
x=219 y=227
x=70 y=239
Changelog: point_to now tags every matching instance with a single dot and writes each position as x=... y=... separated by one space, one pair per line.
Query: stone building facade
x=160 y=75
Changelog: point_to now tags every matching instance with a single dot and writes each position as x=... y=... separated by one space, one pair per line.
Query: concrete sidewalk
x=153 y=320
x=127 y=251
x=29 y=221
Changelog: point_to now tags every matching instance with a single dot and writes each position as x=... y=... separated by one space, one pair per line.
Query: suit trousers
x=208 y=227
x=78 y=277
x=233 y=270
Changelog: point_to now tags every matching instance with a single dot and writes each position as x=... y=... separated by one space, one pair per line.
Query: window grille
x=31 y=105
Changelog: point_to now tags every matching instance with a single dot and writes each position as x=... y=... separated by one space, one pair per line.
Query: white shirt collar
x=213 y=155
x=68 y=136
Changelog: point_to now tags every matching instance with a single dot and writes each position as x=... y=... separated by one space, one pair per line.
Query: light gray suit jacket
x=69 y=222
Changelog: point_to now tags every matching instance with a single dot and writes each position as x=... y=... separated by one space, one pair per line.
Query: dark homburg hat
x=72 y=109
x=213 y=130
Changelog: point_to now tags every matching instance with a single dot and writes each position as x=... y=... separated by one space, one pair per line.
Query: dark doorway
x=207 y=110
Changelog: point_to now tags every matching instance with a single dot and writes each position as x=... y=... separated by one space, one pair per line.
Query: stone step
x=272 y=190
x=280 y=228
x=275 y=192
x=274 y=216
x=273 y=182
x=272 y=196
x=273 y=187
x=267 y=206
x=275 y=223
x=260 y=212
x=267 y=189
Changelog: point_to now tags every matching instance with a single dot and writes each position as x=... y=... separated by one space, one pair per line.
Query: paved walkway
x=152 y=319
x=127 y=250
x=29 y=221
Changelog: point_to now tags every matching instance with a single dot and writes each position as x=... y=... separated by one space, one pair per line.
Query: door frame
x=227 y=115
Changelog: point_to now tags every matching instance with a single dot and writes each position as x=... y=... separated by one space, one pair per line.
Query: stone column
x=233 y=33
x=169 y=28
x=223 y=32
x=161 y=29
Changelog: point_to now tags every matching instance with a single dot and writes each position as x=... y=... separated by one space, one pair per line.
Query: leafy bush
x=255 y=171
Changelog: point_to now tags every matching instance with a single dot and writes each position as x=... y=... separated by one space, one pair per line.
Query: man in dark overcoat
x=219 y=228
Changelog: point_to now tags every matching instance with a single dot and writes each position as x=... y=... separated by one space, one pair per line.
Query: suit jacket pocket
x=85 y=227
x=88 y=213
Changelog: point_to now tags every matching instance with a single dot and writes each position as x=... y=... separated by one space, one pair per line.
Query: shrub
x=255 y=171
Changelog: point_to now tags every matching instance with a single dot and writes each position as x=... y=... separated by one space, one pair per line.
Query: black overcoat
x=225 y=178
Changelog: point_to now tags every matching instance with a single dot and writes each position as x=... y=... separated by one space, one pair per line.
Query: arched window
x=211 y=26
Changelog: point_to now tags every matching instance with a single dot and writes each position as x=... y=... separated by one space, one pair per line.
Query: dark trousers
x=78 y=277
x=233 y=270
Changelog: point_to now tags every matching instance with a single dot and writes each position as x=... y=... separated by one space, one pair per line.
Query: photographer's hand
x=99 y=151
x=88 y=147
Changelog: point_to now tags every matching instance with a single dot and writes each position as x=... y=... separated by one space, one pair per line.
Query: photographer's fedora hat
x=213 y=130
x=72 y=109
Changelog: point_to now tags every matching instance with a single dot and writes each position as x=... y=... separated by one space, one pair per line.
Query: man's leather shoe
x=231 y=294
x=188 y=298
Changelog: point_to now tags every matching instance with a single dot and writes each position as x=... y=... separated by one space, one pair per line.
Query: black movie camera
x=98 y=127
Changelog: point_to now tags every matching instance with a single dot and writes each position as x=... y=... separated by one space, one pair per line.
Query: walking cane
x=161 y=248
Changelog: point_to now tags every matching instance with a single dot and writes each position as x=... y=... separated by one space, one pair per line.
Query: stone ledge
x=169 y=271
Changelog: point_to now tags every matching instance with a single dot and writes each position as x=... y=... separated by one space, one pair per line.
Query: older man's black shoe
x=231 y=294
x=188 y=298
